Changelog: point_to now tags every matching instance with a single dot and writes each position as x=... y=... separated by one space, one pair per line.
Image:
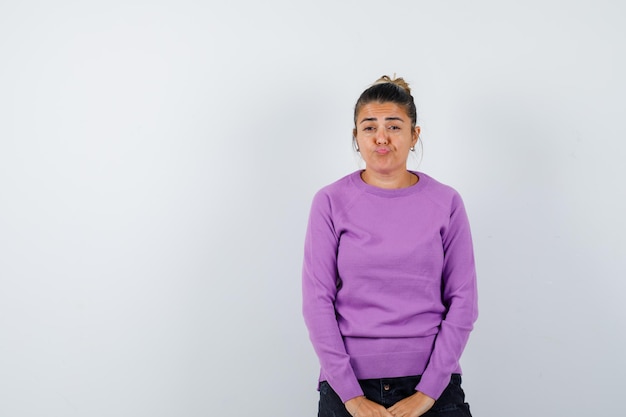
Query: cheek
x=361 y=140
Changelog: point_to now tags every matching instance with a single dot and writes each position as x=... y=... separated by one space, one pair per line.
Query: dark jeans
x=388 y=391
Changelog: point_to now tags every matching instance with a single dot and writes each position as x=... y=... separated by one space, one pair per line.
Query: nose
x=381 y=137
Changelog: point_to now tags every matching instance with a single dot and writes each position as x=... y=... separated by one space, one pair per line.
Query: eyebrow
x=373 y=119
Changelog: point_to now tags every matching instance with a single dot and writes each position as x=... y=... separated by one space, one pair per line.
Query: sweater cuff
x=433 y=385
x=347 y=391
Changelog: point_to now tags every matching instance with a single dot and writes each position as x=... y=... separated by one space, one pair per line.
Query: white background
x=158 y=159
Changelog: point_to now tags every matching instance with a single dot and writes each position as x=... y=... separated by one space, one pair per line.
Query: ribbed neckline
x=424 y=179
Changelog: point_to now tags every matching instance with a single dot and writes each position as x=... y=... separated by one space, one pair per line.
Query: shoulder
x=440 y=193
x=340 y=187
x=336 y=197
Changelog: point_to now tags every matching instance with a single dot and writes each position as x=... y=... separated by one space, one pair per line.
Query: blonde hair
x=389 y=90
x=399 y=81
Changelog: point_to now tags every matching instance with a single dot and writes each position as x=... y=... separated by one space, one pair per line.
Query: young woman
x=389 y=283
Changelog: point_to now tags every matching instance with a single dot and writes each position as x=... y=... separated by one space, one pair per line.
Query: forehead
x=381 y=111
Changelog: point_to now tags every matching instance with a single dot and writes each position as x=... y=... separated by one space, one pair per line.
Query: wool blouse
x=389 y=283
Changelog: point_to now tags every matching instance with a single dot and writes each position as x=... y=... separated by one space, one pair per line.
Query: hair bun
x=396 y=81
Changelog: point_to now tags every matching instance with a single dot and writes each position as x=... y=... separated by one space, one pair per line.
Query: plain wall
x=158 y=159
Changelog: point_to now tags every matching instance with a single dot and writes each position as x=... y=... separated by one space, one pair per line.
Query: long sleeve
x=459 y=295
x=319 y=289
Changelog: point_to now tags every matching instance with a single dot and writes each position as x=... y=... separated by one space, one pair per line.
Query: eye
x=393 y=127
x=368 y=128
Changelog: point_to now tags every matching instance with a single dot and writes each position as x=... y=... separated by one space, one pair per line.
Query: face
x=385 y=136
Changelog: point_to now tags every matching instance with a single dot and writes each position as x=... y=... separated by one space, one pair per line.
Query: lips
x=382 y=151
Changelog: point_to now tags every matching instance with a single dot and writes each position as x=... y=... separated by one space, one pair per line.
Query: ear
x=416 y=134
x=355 y=144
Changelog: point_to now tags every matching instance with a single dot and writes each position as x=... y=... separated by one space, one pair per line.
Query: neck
x=390 y=181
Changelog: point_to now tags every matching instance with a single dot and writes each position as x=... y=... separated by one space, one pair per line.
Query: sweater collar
x=424 y=179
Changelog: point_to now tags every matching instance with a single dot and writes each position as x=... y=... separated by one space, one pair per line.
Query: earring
x=413 y=147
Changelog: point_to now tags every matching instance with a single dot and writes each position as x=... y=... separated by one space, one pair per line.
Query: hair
x=389 y=90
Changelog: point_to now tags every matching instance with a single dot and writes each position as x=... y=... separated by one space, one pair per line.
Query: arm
x=319 y=289
x=459 y=295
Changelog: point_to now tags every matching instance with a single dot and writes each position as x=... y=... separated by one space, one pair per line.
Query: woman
x=389 y=283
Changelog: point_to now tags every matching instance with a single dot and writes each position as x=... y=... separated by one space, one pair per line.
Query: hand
x=362 y=407
x=413 y=406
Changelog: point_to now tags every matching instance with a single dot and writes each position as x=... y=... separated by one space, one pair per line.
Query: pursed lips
x=382 y=151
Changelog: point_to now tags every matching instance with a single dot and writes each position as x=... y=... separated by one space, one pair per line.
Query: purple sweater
x=389 y=283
